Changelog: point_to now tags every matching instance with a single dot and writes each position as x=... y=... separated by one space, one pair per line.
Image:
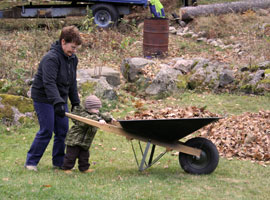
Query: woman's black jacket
x=55 y=79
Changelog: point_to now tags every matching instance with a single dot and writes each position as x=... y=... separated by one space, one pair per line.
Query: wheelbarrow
x=196 y=156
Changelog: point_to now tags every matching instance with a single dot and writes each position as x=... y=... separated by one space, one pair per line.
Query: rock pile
x=199 y=74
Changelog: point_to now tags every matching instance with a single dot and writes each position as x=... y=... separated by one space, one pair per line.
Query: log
x=189 y=13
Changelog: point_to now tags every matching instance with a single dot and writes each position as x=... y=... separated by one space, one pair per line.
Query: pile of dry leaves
x=246 y=136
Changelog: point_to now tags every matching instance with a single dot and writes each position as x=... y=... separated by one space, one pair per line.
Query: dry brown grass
x=245 y=29
x=24 y=42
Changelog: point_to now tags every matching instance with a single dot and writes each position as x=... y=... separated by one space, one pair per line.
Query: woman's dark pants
x=49 y=123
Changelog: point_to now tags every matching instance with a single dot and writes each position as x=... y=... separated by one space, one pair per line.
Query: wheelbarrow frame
x=119 y=130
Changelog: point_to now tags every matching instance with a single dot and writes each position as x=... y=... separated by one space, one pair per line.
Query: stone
x=180 y=33
x=98 y=86
x=259 y=75
x=13 y=108
x=183 y=24
x=237 y=46
x=172 y=30
x=131 y=68
x=165 y=81
x=201 y=39
x=202 y=34
x=264 y=85
x=200 y=63
x=112 y=76
x=214 y=43
x=183 y=65
x=194 y=35
x=185 y=30
x=226 y=77
x=264 y=65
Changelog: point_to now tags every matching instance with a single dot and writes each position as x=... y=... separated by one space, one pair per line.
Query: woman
x=55 y=82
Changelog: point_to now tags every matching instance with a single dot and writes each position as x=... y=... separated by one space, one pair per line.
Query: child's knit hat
x=92 y=102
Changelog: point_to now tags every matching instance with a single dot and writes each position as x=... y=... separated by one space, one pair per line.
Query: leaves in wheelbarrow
x=171 y=113
x=246 y=136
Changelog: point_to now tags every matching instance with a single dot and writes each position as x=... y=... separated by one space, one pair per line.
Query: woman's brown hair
x=71 y=34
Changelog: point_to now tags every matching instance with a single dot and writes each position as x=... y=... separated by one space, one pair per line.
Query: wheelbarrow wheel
x=206 y=163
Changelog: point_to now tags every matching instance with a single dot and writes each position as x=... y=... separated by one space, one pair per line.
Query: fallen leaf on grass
x=47 y=186
x=5 y=179
x=120 y=178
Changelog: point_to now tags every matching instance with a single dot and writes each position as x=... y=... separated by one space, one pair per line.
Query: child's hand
x=114 y=122
x=102 y=121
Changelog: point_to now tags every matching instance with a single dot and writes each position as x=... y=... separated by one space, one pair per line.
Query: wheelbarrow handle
x=113 y=128
x=117 y=129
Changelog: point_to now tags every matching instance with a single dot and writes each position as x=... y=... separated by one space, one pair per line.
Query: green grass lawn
x=116 y=174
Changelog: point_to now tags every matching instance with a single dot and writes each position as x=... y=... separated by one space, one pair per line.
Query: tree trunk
x=189 y=13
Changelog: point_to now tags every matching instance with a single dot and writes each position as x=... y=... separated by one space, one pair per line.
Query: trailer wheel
x=105 y=15
x=208 y=160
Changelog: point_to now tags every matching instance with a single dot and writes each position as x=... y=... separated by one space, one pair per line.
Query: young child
x=80 y=136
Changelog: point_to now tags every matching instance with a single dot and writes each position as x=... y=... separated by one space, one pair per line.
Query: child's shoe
x=88 y=171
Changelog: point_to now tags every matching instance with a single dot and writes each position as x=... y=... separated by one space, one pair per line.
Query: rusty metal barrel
x=155 y=37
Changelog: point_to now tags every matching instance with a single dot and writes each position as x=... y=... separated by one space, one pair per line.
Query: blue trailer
x=105 y=12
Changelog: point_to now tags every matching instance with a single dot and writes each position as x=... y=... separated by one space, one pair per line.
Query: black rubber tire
x=208 y=160
x=105 y=15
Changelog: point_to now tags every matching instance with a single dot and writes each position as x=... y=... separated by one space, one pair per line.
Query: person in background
x=81 y=135
x=156 y=9
x=54 y=83
x=193 y=3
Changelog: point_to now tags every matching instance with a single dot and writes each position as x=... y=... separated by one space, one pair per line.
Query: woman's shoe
x=88 y=171
x=31 y=167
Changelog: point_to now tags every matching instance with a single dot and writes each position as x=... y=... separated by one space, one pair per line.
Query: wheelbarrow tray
x=166 y=130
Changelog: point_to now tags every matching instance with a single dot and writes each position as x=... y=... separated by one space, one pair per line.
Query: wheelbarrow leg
x=143 y=164
x=144 y=155
x=152 y=154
